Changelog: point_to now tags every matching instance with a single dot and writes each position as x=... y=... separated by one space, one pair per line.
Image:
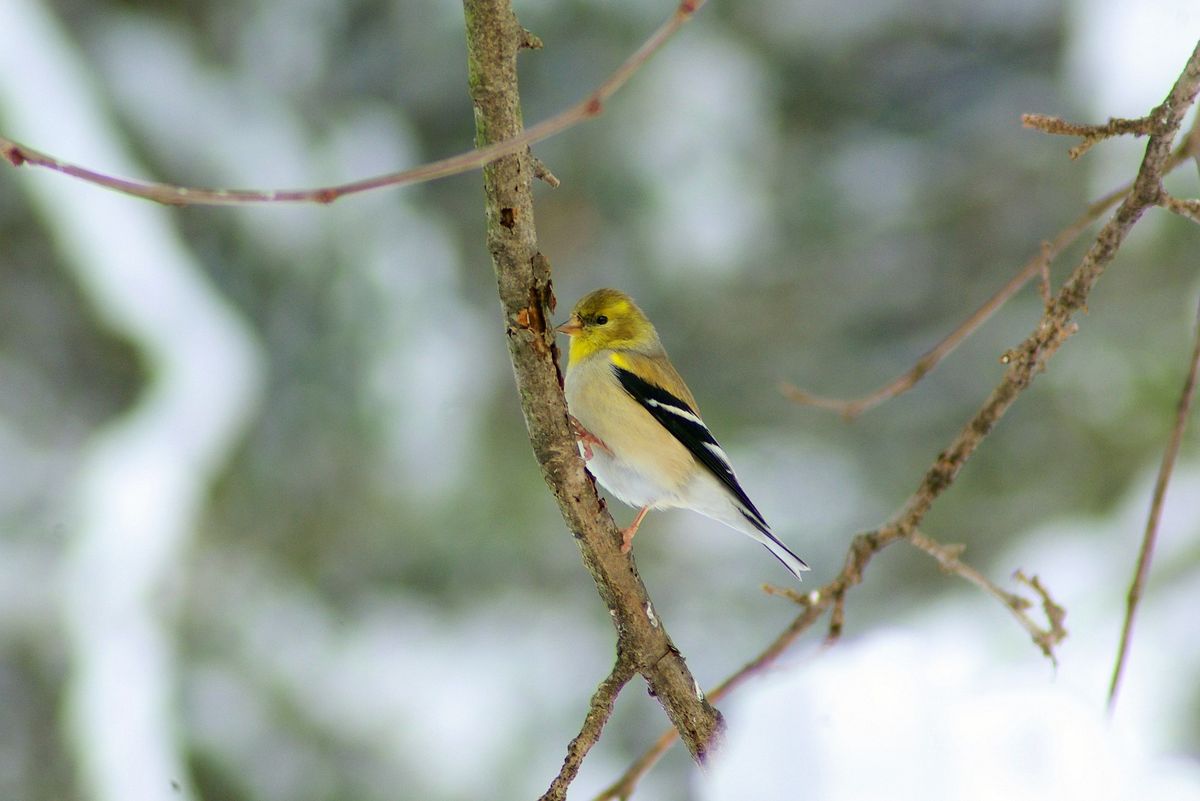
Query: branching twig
x=1030 y=357
x=591 y=106
x=1055 y=614
x=1091 y=134
x=850 y=409
x=1150 y=536
x=1024 y=362
x=1045 y=637
x=599 y=711
x=494 y=37
x=1040 y=264
x=1189 y=209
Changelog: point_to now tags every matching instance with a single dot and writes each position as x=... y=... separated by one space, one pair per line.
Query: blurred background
x=270 y=527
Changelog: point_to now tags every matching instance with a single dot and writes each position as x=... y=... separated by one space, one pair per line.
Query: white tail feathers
x=780 y=551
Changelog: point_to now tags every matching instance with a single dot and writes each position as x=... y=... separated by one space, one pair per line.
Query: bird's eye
x=601 y=320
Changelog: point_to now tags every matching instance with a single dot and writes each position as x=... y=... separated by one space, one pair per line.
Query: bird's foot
x=627 y=539
x=586 y=439
x=628 y=532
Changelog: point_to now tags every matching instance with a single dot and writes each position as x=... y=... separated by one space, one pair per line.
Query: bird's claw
x=586 y=439
x=627 y=538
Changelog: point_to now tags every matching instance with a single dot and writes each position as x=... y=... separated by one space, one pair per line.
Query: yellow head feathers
x=607 y=319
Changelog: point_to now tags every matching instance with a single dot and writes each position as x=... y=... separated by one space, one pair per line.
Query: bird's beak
x=571 y=327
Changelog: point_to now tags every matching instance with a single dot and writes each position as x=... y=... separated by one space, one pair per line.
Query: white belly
x=645 y=448
x=627 y=484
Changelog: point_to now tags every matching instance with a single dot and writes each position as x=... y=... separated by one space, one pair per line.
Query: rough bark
x=494 y=37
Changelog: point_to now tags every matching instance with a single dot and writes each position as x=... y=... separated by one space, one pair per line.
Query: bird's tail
x=738 y=513
x=759 y=530
x=781 y=552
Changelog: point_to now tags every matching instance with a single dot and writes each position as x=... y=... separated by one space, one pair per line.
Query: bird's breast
x=645 y=464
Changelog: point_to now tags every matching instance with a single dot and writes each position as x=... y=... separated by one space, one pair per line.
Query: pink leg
x=627 y=533
x=586 y=438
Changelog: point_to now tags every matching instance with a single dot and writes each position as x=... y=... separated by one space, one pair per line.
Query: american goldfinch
x=639 y=427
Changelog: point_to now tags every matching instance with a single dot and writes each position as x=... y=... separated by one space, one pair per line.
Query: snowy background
x=269 y=524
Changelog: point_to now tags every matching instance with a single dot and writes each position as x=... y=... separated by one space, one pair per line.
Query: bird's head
x=607 y=319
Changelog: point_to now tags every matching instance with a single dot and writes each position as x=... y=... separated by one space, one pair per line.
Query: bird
x=639 y=428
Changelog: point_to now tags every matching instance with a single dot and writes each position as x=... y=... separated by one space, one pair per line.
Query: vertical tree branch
x=494 y=38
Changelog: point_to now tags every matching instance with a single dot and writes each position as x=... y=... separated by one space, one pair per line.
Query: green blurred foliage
x=815 y=206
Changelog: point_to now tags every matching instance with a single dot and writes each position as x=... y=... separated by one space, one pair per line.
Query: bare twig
x=1045 y=284
x=1192 y=143
x=1116 y=126
x=542 y=173
x=591 y=106
x=1027 y=360
x=1024 y=362
x=850 y=409
x=624 y=786
x=1150 y=536
x=599 y=711
x=1045 y=637
x=1040 y=264
x=494 y=38
x=1055 y=614
x=1188 y=209
x=1091 y=134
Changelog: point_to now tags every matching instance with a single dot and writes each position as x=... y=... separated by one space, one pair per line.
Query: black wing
x=685 y=425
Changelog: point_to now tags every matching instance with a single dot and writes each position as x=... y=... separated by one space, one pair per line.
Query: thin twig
x=542 y=173
x=1116 y=126
x=1045 y=637
x=1192 y=143
x=1150 y=536
x=18 y=154
x=852 y=408
x=1055 y=614
x=1188 y=209
x=599 y=711
x=1091 y=134
x=1045 y=285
